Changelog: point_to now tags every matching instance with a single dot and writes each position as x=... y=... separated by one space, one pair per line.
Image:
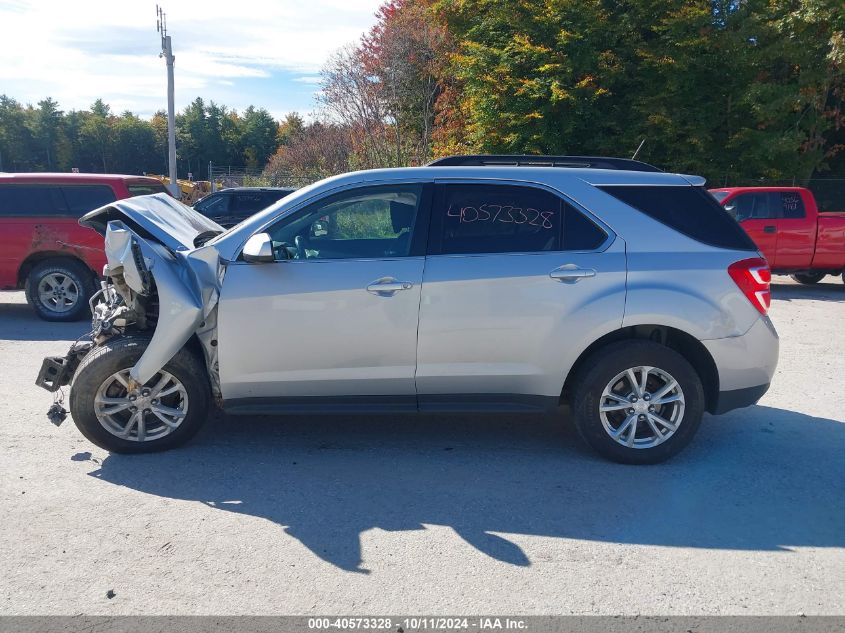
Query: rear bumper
x=737 y=398
x=746 y=365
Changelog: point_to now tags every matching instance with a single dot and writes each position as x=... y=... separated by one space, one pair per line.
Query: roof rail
x=528 y=160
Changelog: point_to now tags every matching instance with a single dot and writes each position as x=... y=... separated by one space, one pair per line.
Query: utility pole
x=167 y=53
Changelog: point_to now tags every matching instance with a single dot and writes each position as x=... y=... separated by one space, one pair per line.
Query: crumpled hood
x=157 y=216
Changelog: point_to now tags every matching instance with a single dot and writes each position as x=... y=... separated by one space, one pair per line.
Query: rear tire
x=59 y=289
x=101 y=406
x=808 y=279
x=651 y=426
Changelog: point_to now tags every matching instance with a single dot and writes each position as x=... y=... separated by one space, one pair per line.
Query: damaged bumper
x=162 y=279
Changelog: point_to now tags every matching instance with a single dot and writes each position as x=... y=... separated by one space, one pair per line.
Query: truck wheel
x=164 y=413
x=808 y=279
x=59 y=289
x=637 y=402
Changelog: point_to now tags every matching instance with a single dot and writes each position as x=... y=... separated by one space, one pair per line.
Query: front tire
x=59 y=289
x=808 y=279
x=637 y=402
x=165 y=413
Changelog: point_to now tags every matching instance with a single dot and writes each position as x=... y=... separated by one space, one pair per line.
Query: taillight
x=753 y=277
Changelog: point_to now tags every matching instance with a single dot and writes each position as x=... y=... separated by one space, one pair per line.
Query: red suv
x=42 y=247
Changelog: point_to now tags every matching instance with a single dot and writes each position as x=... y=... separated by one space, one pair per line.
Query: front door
x=333 y=321
x=758 y=217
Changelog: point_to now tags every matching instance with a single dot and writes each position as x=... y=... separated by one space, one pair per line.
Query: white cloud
x=77 y=51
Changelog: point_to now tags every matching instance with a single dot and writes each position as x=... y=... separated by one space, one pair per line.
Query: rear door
x=514 y=274
x=758 y=217
x=796 y=232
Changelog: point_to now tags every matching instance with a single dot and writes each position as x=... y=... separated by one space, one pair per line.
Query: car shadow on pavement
x=822 y=291
x=758 y=479
x=18 y=322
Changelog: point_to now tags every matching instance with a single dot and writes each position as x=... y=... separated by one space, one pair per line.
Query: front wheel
x=637 y=402
x=808 y=279
x=59 y=289
x=164 y=413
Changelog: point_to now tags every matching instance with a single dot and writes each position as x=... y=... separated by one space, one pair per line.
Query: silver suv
x=504 y=284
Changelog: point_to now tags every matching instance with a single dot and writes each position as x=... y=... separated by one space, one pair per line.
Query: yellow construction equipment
x=189 y=190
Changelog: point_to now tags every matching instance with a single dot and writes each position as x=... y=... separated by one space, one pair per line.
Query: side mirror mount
x=259 y=249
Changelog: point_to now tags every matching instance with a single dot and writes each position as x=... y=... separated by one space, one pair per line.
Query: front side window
x=751 y=206
x=371 y=222
x=213 y=205
x=84 y=198
x=31 y=201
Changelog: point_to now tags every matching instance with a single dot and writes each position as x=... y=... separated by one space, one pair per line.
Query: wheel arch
x=34 y=259
x=685 y=344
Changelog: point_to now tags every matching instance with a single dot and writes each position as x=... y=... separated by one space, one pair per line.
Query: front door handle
x=770 y=228
x=388 y=286
x=570 y=273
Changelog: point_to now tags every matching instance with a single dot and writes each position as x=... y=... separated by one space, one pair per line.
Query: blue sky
x=235 y=52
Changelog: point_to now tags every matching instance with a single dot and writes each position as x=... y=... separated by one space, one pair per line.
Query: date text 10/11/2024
x=409 y=624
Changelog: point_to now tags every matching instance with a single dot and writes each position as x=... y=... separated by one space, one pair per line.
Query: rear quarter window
x=689 y=210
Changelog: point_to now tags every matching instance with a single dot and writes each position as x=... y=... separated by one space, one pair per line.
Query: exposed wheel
x=164 y=413
x=59 y=289
x=808 y=279
x=637 y=402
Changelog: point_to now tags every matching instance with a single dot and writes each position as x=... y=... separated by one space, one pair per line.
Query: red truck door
x=752 y=209
x=796 y=232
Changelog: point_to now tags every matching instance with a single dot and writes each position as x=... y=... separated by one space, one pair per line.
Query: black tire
x=122 y=353
x=808 y=279
x=614 y=359
x=78 y=275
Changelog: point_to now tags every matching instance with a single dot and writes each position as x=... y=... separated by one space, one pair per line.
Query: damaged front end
x=162 y=282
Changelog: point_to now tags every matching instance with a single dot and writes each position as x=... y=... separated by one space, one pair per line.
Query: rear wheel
x=164 y=413
x=637 y=402
x=808 y=279
x=59 y=289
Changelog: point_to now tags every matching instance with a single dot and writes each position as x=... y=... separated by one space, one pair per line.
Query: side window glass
x=371 y=222
x=579 y=232
x=250 y=202
x=480 y=218
x=84 y=198
x=213 y=205
x=750 y=206
x=791 y=204
x=31 y=201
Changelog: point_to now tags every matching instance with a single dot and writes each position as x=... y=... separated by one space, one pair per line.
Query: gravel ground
x=431 y=514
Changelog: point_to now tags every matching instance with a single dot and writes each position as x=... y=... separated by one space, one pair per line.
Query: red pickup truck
x=789 y=229
x=42 y=247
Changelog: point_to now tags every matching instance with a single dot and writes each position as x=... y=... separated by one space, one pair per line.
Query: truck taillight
x=753 y=276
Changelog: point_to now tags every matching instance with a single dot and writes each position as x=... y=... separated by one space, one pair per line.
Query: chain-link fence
x=225 y=177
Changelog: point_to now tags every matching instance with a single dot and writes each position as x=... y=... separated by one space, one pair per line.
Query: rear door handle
x=387 y=286
x=771 y=228
x=570 y=273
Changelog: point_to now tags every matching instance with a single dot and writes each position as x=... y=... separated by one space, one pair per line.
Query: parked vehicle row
x=45 y=251
x=472 y=284
x=787 y=226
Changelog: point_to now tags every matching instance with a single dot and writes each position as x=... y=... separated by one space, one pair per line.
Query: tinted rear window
x=145 y=189
x=689 y=210
x=84 y=198
x=31 y=201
